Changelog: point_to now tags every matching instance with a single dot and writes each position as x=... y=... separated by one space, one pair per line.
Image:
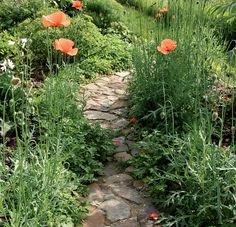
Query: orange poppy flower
x=154 y=216
x=65 y=46
x=167 y=45
x=78 y=5
x=133 y=120
x=164 y=10
x=55 y=20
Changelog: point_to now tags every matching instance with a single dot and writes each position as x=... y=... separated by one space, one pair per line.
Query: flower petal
x=57 y=45
x=47 y=22
x=73 y=52
x=163 y=50
x=66 y=44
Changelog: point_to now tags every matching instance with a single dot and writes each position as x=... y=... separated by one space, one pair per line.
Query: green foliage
x=14 y=103
x=37 y=189
x=15 y=11
x=6 y=48
x=85 y=145
x=107 y=53
x=224 y=13
x=167 y=90
x=104 y=12
x=191 y=178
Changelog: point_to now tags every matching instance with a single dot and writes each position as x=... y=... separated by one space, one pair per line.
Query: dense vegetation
x=182 y=94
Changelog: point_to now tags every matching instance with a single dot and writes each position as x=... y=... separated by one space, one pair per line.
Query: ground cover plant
x=49 y=151
x=182 y=90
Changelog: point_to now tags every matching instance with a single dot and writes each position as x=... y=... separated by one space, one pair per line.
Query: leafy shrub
x=6 y=48
x=192 y=179
x=15 y=11
x=93 y=46
x=104 y=12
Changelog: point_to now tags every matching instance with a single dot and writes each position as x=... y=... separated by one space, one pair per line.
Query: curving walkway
x=117 y=199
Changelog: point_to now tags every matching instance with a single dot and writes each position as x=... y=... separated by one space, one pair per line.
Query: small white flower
x=7 y=64
x=24 y=41
x=10 y=42
x=10 y=64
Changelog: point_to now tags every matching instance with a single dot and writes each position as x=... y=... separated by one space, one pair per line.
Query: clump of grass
x=174 y=84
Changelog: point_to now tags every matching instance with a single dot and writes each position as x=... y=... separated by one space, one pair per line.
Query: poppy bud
x=15 y=81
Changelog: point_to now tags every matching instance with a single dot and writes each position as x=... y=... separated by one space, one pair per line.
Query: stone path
x=117 y=199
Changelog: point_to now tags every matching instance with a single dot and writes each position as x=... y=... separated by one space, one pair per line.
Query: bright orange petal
x=162 y=49
x=46 y=22
x=73 y=52
x=169 y=44
x=66 y=44
x=164 y=10
x=77 y=5
x=59 y=19
x=57 y=45
x=65 y=23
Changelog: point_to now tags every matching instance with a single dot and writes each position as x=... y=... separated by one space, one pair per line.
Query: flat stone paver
x=116 y=210
x=117 y=199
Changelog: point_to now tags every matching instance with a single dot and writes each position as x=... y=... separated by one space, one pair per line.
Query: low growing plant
x=192 y=179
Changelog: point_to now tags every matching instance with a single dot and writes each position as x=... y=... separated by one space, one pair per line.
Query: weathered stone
x=120 y=123
x=120 y=91
x=120 y=112
x=95 y=192
x=122 y=148
x=119 y=104
x=98 y=115
x=96 y=219
x=129 y=169
x=131 y=222
x=112 y=168
x=105 y=124
x=101 y=84
x=109 y=196
x=146 y=223
x=126 y=132
x=90 y=87
x=130 y=143
x=135 y=151
x=123 y=73
x=143 y=216
x=119 y=178
x=112 y=98
x=115 y=210
x=107 y=79
x=118 y=140
x=138 y=184
x=127 y=193
x=122 y=157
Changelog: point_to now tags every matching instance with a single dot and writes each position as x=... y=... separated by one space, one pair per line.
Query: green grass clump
x=55 y=153
x=167 y=90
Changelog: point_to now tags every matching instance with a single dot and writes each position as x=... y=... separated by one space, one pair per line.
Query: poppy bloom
x=55 y=20
x=164 y=10
x=65 y=46
x=167 y=45
x=154 y=216
x=133 y=120
x=78 y=5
